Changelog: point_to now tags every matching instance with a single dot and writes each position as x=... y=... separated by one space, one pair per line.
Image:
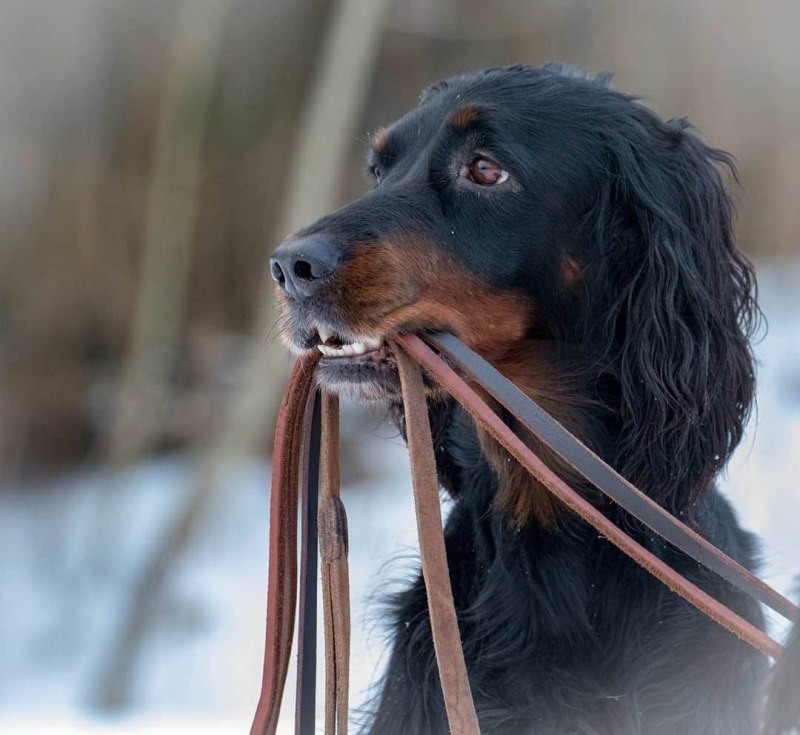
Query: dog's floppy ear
x=680 y=310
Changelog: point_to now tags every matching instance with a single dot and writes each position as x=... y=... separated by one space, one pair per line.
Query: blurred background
x=152 y=152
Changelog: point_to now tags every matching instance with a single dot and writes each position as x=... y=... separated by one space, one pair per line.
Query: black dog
x=583 y=246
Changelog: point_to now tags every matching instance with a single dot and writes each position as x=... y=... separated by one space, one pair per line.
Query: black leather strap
x=606 y=479
x=306 y=701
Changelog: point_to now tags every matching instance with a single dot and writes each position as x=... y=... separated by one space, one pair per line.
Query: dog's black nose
x=301 y=266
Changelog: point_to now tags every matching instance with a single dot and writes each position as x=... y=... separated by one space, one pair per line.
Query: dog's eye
x=485 y=172
x=377 y=174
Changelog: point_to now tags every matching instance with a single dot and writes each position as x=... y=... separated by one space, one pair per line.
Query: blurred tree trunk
x=171 y=207
x=170 y=215
x=334 y=108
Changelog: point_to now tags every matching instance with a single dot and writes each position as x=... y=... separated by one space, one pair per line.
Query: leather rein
x=306 y=468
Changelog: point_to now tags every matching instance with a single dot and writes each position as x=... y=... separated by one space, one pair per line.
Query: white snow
x=71 y=551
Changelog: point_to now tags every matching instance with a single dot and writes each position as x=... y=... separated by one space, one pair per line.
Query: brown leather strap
x=332 y=525
x=489 y=421
x=605 y=478
x=282 y=584
x=444 y=624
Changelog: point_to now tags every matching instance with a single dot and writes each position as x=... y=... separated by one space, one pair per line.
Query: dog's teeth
x=324 y=333
x=351 y=350
x=373 y=342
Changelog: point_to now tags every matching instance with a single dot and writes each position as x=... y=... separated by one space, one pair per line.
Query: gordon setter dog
x=584 y=246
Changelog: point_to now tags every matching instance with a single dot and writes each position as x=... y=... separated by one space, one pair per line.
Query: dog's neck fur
x=566 y=391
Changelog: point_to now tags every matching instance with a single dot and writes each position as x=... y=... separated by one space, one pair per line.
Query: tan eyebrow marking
x=571 y=271
x=381 y=139
x=465 y=116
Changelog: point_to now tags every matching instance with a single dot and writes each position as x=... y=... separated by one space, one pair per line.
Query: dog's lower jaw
x=370 y=377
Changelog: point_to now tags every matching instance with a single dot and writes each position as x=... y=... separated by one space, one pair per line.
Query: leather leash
x=607 y=480
x=306 y=448
x=492 y=423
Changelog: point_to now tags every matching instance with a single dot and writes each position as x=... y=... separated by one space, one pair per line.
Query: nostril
x=303 y=270
x=277 y=273
x=301 y=266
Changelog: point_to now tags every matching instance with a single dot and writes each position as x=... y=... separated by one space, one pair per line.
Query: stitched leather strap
x=282 y=581
x=444 y=625
x=489 y=421
x=605 y=478
x=332 y=525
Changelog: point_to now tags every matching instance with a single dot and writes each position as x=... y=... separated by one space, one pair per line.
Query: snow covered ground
x=70 y=553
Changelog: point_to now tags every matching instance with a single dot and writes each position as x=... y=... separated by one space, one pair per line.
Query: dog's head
x=539 y=210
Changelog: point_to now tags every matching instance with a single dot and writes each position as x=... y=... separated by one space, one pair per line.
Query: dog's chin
x=370 y=378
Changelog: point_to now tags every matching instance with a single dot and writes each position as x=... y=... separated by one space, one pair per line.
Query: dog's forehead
x=435 y=109
x=540 y=114
x=503 y=93
x=418 y=125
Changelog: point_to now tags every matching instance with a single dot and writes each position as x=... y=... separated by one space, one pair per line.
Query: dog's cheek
x=490 y=320
x=410 y=282
x=492 y=323
x=420 y=285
